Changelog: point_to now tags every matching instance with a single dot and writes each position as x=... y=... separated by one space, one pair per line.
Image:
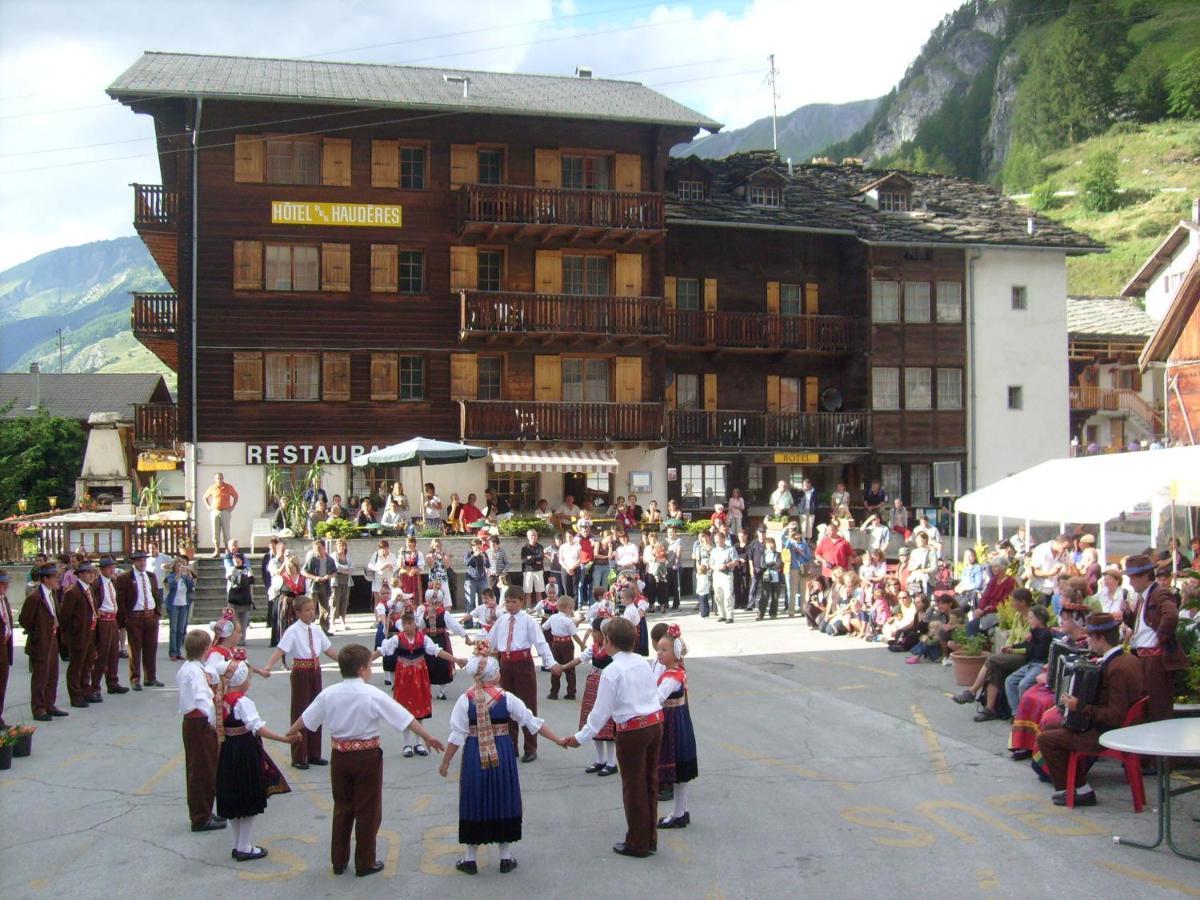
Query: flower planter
x=24 y=746
x=966 y=668
x=6 y=755
x=29 y=546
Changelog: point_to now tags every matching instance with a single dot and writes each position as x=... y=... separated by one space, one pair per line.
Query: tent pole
x=978 y=530
x=1174 y=556
x=954 y=509
x=999 y=529
x=1103 y=548
x=1028 y=538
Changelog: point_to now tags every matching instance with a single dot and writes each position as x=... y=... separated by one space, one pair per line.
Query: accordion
x=1060 y=653
x=1081 y=680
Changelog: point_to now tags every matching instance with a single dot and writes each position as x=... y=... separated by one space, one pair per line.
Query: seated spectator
x=818 y=600
x=898 y=518
x=971 y=579
x=318 y=514
x=454 y=515
x=932 y=535
x=470 y=513
x=336 y=510
x=626 y=519
x=999 y=666
x=922 y=564
x=905 y=637
x=673 y=510
x=944 y=618
x=881 y=611
x=902 y=620
x=280 y=521
x=1037 y=653
x=543 y=511
x=496 y=508
x=998 y=589
x=652 y=516
x=874 y=568
x=719 y=517
x=366 y=513
x=394 y=517
x=878 y=535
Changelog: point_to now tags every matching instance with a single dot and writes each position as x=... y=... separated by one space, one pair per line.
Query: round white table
x=1170 y=738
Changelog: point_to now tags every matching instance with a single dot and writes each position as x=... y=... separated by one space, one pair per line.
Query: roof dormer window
x=690 y=190
x=895 y=201
x=768 y=195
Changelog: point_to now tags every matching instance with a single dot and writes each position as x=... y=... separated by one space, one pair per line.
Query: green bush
x=1100 y=183
x=969 y=645
x=1023 y=168
x=517 y=526
x=332 y=529
x=698 y=526
x=1043 y=197
x=1183 y=87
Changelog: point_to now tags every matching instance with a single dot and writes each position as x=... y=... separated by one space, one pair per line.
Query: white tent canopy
x=1090 y=488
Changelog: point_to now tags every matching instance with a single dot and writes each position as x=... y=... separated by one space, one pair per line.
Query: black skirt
x=441 y=671
x=246 y=776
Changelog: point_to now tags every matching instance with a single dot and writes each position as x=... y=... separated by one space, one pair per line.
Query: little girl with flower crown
x=677 y=764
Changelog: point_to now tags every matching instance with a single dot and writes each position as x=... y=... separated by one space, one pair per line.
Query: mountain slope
x=802 y=132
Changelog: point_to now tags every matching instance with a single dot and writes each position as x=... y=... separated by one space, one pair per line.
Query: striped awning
x=553 y=461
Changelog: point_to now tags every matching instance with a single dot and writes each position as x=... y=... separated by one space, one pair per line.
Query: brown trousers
x=306 y=684
x=519 y=677
x=143 y=647
x=637 y=758
x=107 y=659
x=563 y=653
x=43 y=683
x=357 y=781
x=79 y=668
x=1159 y=684
x=1056 y=745
x=200 y=755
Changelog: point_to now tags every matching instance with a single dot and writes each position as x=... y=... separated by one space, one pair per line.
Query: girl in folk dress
x=677 y=758
x=290 y=585
x=411 y=564
x=246 y=776
x=489 y=793
x=604 y=741
x=380 y=569
x=439 y=626
x=411 y=689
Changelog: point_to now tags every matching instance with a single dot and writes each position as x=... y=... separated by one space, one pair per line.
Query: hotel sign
x=798 y=458
x=306 y=454
x=310 y=212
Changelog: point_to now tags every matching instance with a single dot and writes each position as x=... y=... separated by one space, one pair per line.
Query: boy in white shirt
x=199 y=737
x=304 y=641
x=564 y=635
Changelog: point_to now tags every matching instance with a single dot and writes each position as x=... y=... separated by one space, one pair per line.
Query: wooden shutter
x=335 y=376
x=629 y=275
x=464 y=269
x=385 y=164
x=335 y=267
x=547 y=268
x=249 y=160
x=773 y=297
x=772 y=393
x=247 y=265
x=335 y=162
x=384 y=371
x=247 y=376
x=812 y=299
x=464 y=165
x=547 y=168
x=629 y=172
x=669 y=290
x=811 y=393
x=669 y=391
x=629 y=379
x=384 y=268
x=710 y=293
x=464 y=376
x=710 y=391
x=547 y=378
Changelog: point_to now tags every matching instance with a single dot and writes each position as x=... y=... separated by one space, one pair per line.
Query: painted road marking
x=295 y=864
x=436 y=843
x=391 y=864
x=852 y=687
x=1150 y=878
x=783 y=764
x=679 y=846
x=940 y=766
x=846 y=665
x=164 y=770
x=421 y=803
x=987 y=879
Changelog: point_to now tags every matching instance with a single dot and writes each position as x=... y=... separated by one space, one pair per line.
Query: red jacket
x=834 y=553
x=995 y=593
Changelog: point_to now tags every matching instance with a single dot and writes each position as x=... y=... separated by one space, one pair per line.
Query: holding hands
x=461 y=662
x=568 y=743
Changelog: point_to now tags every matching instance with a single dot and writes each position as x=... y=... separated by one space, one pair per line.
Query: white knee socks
x=506 y=851
x=610 y=750
x=409 y=738
x=242 y=830
x=470 y=855
x=235 y=825
x=681 y=792
x=599 y=745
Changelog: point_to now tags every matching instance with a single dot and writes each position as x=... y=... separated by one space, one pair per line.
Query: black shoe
x=964 y=696
x=155 y=683
x=507 y=865
x=569 y=697
x=671 y=822
x=622 y=850
x=467 y=867
x=79 y=704
x=594 y=768
x=210 y=825
x=552 y=696
x=373 y=870
x=529 y=756
x=318 y=762
x=124 y=654
x=42 y=717
x=119 y=689
x=666 y=793
x=1020 y=755
x=255 y=853
x=985 y=716
x=95 y=698
x=300 y=766
x=608 y=770
x=137 y=686
x=220 y=820
x=1088 y=799
x=61 y=713
x=339 y=870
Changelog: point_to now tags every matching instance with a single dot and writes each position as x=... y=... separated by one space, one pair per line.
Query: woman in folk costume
x=411 y=689
x=227 y=634
x=604 y=741
x=409 y=570
x=489 y=791
x=677 y=759
x=246 y=775
x=439 y=625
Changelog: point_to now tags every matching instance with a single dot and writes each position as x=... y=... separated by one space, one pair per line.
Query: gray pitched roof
x=948 y=209
x=78 y=396
x=412 y=87
x=1107 y=317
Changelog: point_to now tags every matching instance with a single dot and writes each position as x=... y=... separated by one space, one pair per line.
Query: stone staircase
x=210 y=591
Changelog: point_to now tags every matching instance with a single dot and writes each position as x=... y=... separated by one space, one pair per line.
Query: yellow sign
x=798 y=458
x=309 y=212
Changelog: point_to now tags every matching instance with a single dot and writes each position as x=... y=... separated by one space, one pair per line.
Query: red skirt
x=1027 y=719
x=608 y=732
x=410 y=688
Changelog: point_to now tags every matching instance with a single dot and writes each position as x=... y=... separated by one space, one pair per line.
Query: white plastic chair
x=260 y=528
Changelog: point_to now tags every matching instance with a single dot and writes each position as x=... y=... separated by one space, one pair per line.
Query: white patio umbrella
x=418 y=451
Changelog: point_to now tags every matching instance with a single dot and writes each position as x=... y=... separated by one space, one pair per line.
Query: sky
x=68 y=153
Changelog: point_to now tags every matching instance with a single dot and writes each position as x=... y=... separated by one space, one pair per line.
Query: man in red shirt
x=470 y=512
x=834 y=551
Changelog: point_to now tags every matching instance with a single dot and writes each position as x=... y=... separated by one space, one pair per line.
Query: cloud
x=57 y=57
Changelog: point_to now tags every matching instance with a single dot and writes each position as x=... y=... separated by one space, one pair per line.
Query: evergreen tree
x=42 y=456
x=1183 y=87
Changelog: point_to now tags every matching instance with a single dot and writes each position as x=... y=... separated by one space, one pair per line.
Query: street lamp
x=53 y=501
x=22 y=505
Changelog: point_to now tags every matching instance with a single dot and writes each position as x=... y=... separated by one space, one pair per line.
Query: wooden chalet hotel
x=362 y=253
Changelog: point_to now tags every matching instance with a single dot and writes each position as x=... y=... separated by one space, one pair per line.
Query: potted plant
x=8 y=741
x=29 y=536
x=968 y=656
x=151 y=496
x=23 y=745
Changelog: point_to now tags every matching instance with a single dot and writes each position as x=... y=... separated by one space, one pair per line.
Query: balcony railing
x=487 y=312
x=523 y=205
x=713 y=328
x=1085 y=397
x=731 y=428
x=532 y=421
x=152 y=205
x=154 y=314
x=155 y=424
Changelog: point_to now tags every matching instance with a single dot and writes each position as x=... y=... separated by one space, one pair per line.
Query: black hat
x=138 y=554
x=85 y=567
x=107 y=562
x=47 y=571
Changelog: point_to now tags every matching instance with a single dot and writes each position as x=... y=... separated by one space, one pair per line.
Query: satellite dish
x=831 y=399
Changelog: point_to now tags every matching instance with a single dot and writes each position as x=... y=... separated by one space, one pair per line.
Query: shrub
x=1100 y=183
x=969 y=645
x=1183 y=87
x=1023 y=168
x=332 y=529
x=1043 y=195
x=699 y=526
x=517 y=526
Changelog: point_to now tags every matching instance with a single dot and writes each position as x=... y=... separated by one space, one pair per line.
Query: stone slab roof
x=1107 y=317
x=78 y=396
x=412 y=87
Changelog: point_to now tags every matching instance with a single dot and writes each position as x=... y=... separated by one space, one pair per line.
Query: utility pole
x=774 y=103
x=58 y=331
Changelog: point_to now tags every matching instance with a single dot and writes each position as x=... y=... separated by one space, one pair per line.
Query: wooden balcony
x=156 y=218
x=516 y=317
x=715 y=329
x=1089 y=399
x=155 y=425
x=800 y=431
x=593 y=218
x=153 y=318
x=518 y=420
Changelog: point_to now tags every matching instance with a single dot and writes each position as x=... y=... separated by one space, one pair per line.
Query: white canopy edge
x=553 y=461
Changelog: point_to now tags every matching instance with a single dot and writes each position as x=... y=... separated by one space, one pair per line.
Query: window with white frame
x=585 y=173
x=885 y=301
x=411 y=271
x=585 y=276
x=293 y=161
x=916 y=301
x=791 y=299
x=292 y=376
x=1019 y=298
x=754 y=479
x=890 y=481
x=687 y=293
x=918 y=388
x=949 y=301
x=687 y=391
x=412 y=378
x=491 y=166
x=701 y=484
x=885 y=387
x=690 y=190
x=770 y=195
x=293 y=267
x=490 y=381
x=585 y=380
x=490 y=265
x=949 y=388
x=893 y=201
x=918 y=485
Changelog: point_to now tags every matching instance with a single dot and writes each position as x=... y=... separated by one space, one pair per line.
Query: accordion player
x=1078 y=678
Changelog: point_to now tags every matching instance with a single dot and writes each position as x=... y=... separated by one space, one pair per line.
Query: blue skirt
x=677 y=760
x=489 y=800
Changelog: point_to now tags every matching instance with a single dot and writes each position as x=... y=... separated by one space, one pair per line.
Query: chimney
x=791 y=171
x=583 y=71
x=35 y=397
x=459 y=79
x=1031 y=225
